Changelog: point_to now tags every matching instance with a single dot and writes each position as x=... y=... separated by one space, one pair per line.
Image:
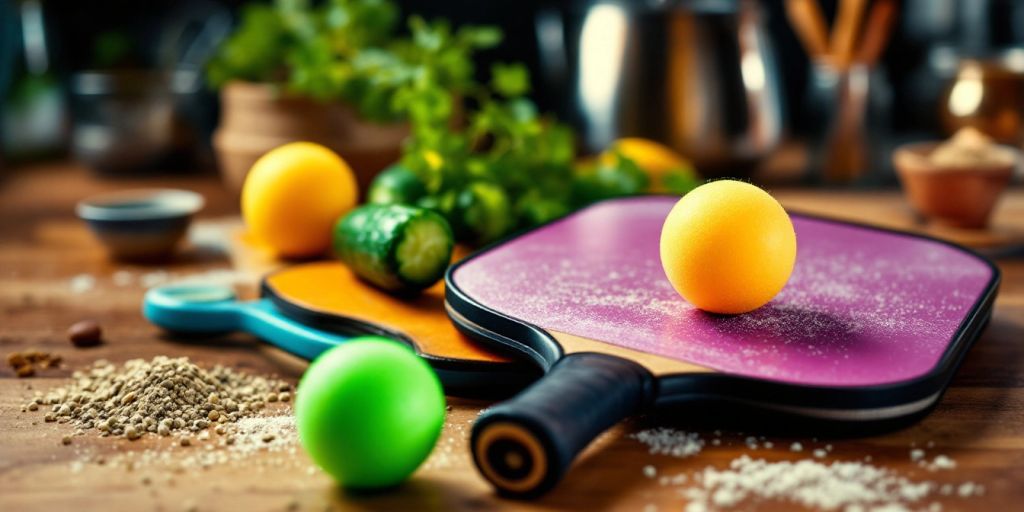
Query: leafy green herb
x=348 y=50
x=480 y=153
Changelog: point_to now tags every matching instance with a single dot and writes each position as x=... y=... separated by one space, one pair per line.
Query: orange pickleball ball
x=728 y=247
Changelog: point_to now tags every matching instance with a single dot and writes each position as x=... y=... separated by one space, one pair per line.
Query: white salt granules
x=82 y=283
x=668 y=441
x=850 y=486
x=838 y=485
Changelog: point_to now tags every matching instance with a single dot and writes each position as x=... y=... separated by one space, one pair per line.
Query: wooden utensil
x=810 y=26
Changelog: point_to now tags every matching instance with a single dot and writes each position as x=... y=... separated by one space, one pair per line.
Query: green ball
x=369 y=411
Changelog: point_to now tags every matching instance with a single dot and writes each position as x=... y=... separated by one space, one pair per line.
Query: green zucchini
x=396 y=247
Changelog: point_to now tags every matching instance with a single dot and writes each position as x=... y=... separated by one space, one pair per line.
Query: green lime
x=395 y=185
x=486 y=211
x=369 y=412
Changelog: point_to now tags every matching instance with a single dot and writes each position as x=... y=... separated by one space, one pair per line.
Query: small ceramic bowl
x=961 y=197
x=140 y=224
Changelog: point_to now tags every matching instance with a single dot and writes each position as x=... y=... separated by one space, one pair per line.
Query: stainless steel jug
x=699 y=76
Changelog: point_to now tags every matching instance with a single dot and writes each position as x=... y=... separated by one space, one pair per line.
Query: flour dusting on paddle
x=862 y=306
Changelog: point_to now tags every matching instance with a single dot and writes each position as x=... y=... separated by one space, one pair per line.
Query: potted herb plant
x=329 y=74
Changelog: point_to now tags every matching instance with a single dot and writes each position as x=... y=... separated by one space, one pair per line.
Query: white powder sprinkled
x=796 y=447
x=155 y=278
x=942 y=462
x=82 y=283
x=650 y=471
x=123 y=278
x=968 y=489
x=916 y=454
x=838 y=485
x=819 y=453
x=668 y=441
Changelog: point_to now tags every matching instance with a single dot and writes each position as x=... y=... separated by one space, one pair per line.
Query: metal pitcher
x=699 y=76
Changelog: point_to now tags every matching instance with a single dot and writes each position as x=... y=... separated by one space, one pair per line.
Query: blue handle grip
x=214 y=309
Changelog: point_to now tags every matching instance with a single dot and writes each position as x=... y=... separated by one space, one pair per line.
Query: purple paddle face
x=863 y=307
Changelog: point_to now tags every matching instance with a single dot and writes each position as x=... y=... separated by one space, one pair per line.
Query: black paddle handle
x=524 y=445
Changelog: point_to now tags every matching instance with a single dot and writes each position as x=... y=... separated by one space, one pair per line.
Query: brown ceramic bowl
x=961 y=197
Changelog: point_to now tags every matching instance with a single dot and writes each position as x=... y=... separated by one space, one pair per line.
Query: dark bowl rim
x=164 y=203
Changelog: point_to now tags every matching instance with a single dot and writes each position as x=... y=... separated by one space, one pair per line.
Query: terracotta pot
x=256 y=118
x=957 y=197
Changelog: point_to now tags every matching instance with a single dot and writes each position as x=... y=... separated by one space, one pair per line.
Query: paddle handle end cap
x=525 y=445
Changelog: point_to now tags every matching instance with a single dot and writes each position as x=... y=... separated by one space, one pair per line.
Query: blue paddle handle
x=262 y=319
x=180 y=310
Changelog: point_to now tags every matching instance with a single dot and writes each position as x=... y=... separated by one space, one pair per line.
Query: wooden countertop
x=979 y=422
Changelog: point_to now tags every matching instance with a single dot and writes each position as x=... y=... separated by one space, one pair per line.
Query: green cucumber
x=396 y=247
x=396 y=185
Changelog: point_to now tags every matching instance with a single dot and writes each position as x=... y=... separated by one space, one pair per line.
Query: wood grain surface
x=979 y=422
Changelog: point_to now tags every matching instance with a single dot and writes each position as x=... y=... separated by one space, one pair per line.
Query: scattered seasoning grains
x=25 y=363
x=836 y=486
x=160 y=396
x=942 y=462
x=82 y=283
x=650 y=471
x=668 y=441
x=796 y=447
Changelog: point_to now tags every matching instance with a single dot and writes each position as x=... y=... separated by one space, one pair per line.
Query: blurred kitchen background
x=118 y=85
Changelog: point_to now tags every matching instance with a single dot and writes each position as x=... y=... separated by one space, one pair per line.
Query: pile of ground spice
x=162 y=396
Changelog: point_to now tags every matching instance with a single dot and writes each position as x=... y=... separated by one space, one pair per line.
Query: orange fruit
x=294 y=194
x=728 y=247
x=655 y=159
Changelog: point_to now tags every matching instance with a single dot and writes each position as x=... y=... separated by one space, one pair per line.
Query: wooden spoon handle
x=809 y=24
x=846 y=31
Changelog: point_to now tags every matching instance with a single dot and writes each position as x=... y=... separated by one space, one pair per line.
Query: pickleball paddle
x=871 y=326
x=311 y=307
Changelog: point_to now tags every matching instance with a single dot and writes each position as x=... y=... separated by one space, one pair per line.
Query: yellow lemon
x=294 y=194
x=728 y=247
x=656 y=160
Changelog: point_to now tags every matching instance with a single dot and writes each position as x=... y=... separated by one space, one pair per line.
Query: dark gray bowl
x=140 y=224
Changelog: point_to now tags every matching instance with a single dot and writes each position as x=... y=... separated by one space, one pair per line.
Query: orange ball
x=294 y=194
x=728 y=247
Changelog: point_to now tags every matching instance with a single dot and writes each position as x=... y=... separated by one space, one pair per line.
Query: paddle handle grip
x=523 y=446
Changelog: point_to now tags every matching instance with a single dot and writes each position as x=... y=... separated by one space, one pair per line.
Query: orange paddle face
x=329 y=296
